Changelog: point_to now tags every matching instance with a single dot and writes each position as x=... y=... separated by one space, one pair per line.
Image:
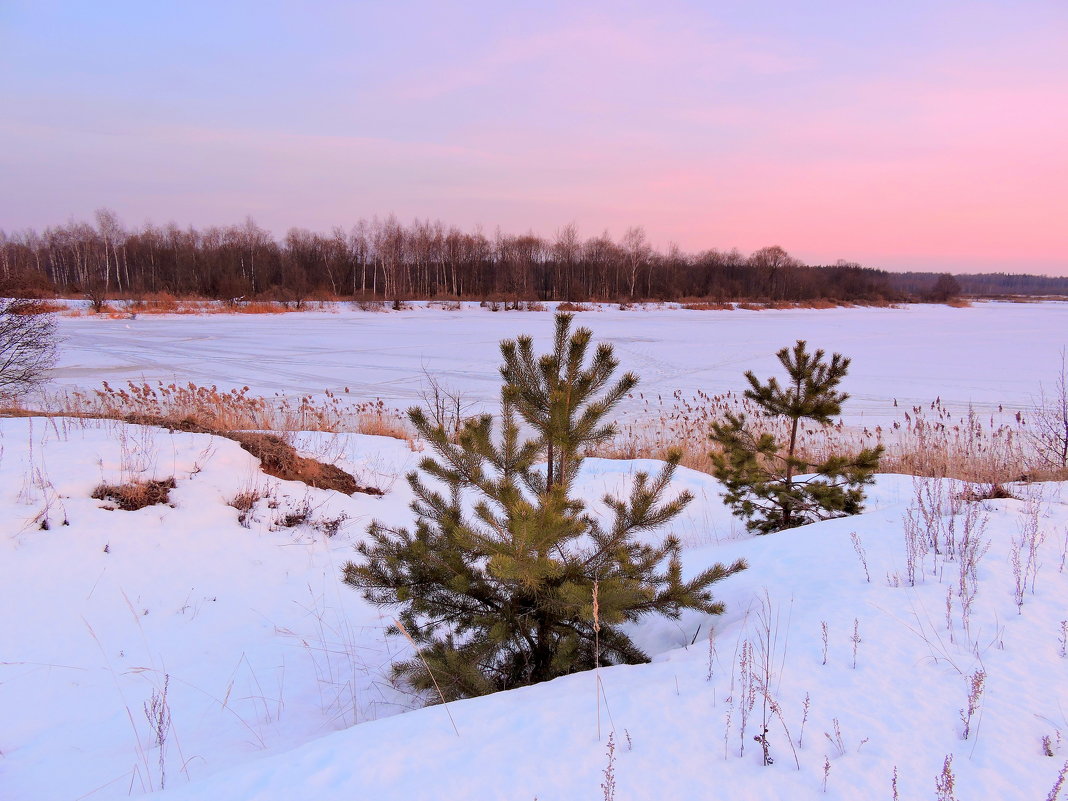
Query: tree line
x=385 y=259
x=916 y=284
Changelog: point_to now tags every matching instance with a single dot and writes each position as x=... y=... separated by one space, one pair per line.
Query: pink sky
x=924 y=136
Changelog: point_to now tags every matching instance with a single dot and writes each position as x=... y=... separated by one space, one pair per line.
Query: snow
x=985 y=355
x=269 y=659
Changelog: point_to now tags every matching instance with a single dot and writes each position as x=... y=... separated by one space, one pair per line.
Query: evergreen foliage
x=497 y=582
x=762 y=473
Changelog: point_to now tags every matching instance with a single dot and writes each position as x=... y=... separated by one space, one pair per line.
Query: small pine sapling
x=495 y=583
x=771 y=483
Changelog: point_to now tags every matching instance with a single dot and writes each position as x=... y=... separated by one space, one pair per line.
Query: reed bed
x=194 y=407
x=931 y=440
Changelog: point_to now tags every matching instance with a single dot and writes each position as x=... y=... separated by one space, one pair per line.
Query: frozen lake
x=985 y=355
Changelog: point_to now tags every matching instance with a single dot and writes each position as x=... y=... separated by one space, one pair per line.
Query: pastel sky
x=905 y=135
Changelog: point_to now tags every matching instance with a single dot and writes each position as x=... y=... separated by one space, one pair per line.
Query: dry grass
x=191 y=407
x=989 y=450
x=239 y=416
x=245 y=501
x=29 y=307
x=707 y=305
x=135 y=495
x=165 y=303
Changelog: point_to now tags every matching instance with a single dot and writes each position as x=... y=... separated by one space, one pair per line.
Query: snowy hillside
x=238 y=648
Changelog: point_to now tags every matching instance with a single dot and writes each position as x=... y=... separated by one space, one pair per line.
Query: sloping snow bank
x=268 y=660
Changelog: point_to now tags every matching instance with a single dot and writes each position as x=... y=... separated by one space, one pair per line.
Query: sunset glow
x=915 y=135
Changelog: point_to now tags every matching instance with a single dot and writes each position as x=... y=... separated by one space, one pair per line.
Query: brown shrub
x=263 y=307
x=708 y=305
x=34 y=306
x=135 y=495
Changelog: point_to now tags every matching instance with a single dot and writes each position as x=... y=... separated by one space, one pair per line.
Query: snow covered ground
x=986 y=355
x=267 y=660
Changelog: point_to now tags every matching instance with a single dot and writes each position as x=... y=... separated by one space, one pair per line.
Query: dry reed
x=931 y=440
x=191 y=407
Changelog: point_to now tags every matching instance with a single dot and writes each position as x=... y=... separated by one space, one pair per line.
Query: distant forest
x=387 y=260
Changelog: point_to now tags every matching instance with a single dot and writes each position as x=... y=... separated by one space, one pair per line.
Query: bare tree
x=27 y=346
x=447 y=407
x=1050 y=420
x=636 y=253
x=773 y=267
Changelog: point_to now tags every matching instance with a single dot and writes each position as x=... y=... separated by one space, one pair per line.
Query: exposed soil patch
x=279 y=459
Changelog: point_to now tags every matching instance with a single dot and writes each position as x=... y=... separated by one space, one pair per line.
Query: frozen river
x=985 y=355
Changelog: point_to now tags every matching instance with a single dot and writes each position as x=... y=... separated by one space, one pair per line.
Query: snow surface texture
x=268 y=659
x=986 y=355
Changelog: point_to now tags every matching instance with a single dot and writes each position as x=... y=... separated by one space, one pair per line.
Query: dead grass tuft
x=245 y=500
x=135 y=495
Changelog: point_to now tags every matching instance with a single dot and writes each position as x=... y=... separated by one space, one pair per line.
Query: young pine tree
x=495 y=584
x=762 y=473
